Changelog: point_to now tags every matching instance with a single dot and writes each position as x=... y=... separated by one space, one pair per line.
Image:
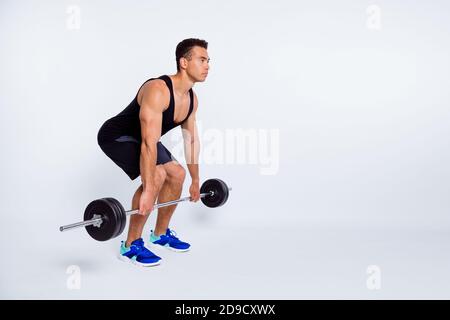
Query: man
x=131 y=140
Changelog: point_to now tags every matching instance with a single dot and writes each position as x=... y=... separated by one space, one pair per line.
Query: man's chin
x=200 y=79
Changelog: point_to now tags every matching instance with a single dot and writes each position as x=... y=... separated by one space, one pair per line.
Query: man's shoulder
x=155 y=86
x=153 y=91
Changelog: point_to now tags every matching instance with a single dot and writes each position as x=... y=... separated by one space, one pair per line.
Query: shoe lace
x=173 y=235
x=141 y=249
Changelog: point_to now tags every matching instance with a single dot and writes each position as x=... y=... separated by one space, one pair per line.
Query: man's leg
x=170 y=190
x=137 y=222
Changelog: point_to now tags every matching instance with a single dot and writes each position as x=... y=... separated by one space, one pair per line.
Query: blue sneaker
x=170 y=241
x=138 y=254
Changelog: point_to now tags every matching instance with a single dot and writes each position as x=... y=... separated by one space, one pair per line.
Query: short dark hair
x=185 y=46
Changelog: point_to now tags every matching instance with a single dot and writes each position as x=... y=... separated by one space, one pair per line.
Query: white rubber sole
x=137 y=263
x=166 y=246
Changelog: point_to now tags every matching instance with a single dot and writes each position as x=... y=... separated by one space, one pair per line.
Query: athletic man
x=131 y=140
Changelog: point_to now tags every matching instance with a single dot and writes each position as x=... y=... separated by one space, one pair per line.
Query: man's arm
x=192 y=143
x=150 y=116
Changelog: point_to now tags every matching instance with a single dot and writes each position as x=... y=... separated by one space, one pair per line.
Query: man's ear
x=183 y=62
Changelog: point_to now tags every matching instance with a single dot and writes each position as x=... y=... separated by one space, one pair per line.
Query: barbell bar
x=105 y=218
x=97 y=221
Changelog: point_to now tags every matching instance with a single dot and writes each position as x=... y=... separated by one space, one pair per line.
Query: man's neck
x=182 y=83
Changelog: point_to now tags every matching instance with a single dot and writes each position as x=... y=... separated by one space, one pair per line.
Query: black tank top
x=127 y=122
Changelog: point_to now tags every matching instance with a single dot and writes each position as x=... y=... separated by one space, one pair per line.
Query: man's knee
x=177 y=174
x=160 y=174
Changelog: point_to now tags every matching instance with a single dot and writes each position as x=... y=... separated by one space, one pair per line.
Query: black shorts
x=125 y=151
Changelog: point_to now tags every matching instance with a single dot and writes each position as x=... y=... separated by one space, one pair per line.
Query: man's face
x=197 y=67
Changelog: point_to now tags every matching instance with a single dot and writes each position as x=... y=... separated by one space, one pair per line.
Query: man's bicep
x=151 y=121
x=190 y=128
x=150 y=116
x=190 y=125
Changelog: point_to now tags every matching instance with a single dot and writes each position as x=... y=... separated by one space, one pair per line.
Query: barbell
x=105 y=218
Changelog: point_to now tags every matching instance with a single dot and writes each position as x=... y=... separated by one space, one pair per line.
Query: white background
x=361 y=107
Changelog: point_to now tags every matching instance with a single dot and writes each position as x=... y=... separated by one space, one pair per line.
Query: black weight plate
x=220 y=190
x=216 y=199
x=116 y=216
x=227 y=192
x=223 y=188
x=121 y=216
x=109 y=225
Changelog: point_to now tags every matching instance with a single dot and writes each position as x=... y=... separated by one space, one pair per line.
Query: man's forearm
x=192 y=151
x=147 y=165
x=193 y=171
